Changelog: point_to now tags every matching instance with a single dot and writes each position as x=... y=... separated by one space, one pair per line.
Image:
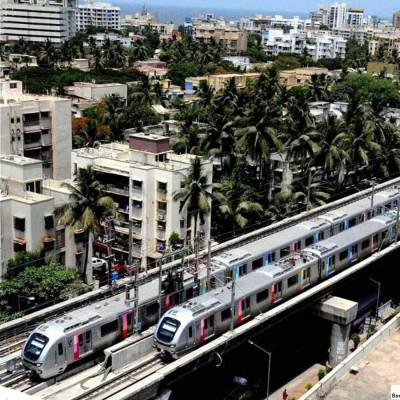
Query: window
x=354 y=249
x=343 y=255
x=293 y=280
x=257 y=263
x=30 y=186
x=18 y=120
x=375 y=239
x=12 y=120
x=80 y=340
x=108 y=328
x=152 y=309
x=88 y=336
x=189 y=293
x=365 y=244
x=19 y=223
x=262 y=296
x=182 y=223
x=242 y=269
x=35 y=346
x=285 y=252
x=13 y=85
x=60 y=349
x=322 y=236
x=209 y=322
x=297 y=246
x=48 y=222
x=307 y=273
x=44 y=114
x=226 y=314
x=309 y=241
x=190 y=332
x=352 y=222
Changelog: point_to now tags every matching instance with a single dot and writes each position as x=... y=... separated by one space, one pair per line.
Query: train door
x=330 y=265
x=276 y=293
x=84 y=343
x=305 y=277
x=60 y=354
x=374 y=243
x=190 y=340
x=207 y=327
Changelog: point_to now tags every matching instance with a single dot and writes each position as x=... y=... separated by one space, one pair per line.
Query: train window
x=262 y=296
x=60 y=349
x=209 y=322
x=297 y=246
x=80 y=339
x=292 y=280
x=108 y=328
x=343 y=255
x=190 y=332
x=341 y=227
x=322 y=235
x=375 y=239
x=35 y=346
x=242 y=269
x=307 y=273
x=354 y=249
x=225 y=314
x=246 y=303
x=88 y=336
x=213 y=282
x=365 y=244
x=352 y=222
x=309 y=241
x=285 y=252
x=257 y=263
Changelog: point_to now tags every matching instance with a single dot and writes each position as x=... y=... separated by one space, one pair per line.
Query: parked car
x=99 y=267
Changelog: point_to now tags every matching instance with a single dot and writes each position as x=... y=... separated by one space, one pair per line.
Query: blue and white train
x=64 y=341
x=200 y=319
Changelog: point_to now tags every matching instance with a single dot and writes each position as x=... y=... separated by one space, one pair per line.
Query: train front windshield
x=35 y=346
x=167 y=329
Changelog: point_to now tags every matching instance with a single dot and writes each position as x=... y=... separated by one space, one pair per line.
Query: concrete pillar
x=341 y=313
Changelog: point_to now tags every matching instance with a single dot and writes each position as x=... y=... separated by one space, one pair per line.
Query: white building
x=143 y=19
x=99 y=15
x=337 y=16
x=320 y=17
x=354 y=17
x=102 y=37
x=142 y=178
x=37 y=20
x=37 y=127
x=27 y=220
x=319 y=45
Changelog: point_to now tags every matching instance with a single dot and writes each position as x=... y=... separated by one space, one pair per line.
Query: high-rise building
x=37 y=20
x=99 y=15
x=337 y=16
x=320 y=17
x=396 y=20
x=354 y=17
x=37 y=127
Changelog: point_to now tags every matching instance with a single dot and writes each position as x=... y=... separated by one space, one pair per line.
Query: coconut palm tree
x=332 y=157
x=206 y=93
x=114 y=115
x=195 y=193
x=87 y=206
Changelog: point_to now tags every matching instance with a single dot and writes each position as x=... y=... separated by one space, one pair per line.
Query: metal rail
x=28 y=323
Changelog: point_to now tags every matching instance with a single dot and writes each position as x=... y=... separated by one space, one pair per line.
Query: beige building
x=300 y=76
x=219 y=81
x=86 y=94
x=396 y=20
x=142 y=177
x=387 y=41
x=37 y=127
x=233 y=39
x=27 y=220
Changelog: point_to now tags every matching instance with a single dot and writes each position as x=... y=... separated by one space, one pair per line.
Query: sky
x=373 y=7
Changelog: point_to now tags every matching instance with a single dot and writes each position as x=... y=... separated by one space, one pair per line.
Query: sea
x=177 y=14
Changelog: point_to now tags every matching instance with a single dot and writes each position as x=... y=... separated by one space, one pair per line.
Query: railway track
x=22 y=327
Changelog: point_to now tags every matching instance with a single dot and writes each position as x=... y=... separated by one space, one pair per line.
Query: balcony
x=116 y=190
x=46 y=139
x=161 y=215
x=162 y=195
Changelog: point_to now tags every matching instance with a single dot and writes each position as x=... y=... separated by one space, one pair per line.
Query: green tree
x=23 y=260
x=195 y=194
x=87 y=206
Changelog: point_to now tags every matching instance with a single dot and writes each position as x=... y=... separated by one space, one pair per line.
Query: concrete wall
x=323 y=387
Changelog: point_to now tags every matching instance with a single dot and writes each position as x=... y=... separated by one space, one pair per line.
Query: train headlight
x=39 y=364
x=172 y=346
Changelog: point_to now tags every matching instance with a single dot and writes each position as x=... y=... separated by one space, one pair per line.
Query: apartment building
x=300 y=76
x=232 y=38
x=396 y=20
x=144 y=19
x=319 y=44
x=37 y=20
x=37 y=127
x=219 y=81
x=98 y=15
x=337 y=16
x=386 y=42
x=142 y=177
x=354 y=17
x=319 y=17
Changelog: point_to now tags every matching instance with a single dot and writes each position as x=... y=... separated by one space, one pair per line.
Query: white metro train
x=61 y=342
x=200 y=319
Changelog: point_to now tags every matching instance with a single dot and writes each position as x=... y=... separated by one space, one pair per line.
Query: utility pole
x=159 y=261
x=233 y=302
x=208 y=265
x=136 y=293
x=373 y=195
x=308 y=190
x=109 y=247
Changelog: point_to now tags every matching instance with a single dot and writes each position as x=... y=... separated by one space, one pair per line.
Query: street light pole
x=377 y=298
x=269 y=354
